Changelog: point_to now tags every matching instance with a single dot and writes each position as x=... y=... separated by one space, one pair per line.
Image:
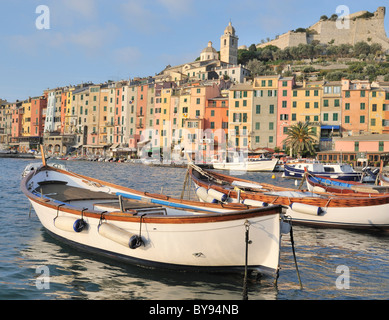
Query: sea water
x=333 y=264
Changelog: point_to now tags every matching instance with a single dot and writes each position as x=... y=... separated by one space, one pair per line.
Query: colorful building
x=264 y=112
x=285 y=86
x=355 y=106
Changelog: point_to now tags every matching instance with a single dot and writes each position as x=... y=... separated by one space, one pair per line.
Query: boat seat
x=127 y=205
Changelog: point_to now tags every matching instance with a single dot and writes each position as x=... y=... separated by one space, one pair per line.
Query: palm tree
x=301 y=138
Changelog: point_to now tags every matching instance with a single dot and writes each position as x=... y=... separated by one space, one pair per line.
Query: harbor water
x=333 y=264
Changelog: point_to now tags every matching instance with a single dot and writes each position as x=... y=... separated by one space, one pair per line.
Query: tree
x=256 y=67
x=300 y=138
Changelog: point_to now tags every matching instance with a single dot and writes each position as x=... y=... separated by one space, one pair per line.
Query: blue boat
x=341 y=171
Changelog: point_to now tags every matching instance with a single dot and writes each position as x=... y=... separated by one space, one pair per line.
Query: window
x=362 y=119
x=294 y=117
x=284 y=104
x=257 y=126
x=271 y=109
x=316 y=93
x=284 y=93
x=337 y=102
x=294 y=104
x=363 y=93
x=307 y=93
x=374 y=107
x=381 y=146
x=335 y=117
x=256 y=139
x=356 y=146
x=257 y=109
x=271 y=125
x=373 y=122
x=347 y=119
x=326 y=103
x=212 y=113
x=347 y=106
x=362 y=105
x=306 y=105
x=284 y=83
x=270 y=139
x=294 y=93
x=325 y=116
x=270 y=83
x=347 y=94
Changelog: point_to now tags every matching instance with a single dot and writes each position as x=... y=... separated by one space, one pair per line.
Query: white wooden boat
x=154 y=230
x=356 y=211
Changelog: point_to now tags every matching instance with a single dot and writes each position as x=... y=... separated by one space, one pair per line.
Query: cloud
x=127 y=55
x=177 y=7
x=85 y=8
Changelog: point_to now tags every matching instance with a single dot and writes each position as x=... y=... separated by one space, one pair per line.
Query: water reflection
x=74 y=274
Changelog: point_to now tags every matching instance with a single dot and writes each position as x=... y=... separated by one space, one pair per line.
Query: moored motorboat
x=357 y=211
x=154 y=230
x=341 y=171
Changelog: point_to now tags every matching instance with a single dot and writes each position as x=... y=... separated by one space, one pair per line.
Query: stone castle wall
x=370 y=30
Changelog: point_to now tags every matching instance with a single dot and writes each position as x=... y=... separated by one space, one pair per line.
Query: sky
x=78 y=41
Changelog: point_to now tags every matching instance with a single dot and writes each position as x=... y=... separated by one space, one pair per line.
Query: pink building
x=360 y=150
x=284 y=105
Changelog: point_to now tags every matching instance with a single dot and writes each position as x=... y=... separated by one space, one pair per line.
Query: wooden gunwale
x=240 y=213
x=336 y=200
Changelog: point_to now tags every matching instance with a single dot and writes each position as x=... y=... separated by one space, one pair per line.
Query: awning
x=330 y=127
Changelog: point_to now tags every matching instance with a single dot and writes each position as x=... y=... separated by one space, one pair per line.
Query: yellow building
x=240 y=116
x=379 y=109
x=164 y=119
x=26 y=118
x=306 y=105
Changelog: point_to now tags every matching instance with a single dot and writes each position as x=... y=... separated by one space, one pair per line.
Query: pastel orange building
x=355 y=106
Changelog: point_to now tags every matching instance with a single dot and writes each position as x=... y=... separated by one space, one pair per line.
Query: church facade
x=211 y=65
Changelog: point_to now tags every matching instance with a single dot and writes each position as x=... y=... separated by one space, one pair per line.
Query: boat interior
x=62 y=193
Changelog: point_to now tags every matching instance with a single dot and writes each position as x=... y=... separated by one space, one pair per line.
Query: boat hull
x=294 y=173
x=249 y=166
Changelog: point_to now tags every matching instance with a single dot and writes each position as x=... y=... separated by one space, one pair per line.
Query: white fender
x=254 y=203
x=217 y=195
x=306 y=208
x=69 y=224
x=117 y=235
x=202 y=193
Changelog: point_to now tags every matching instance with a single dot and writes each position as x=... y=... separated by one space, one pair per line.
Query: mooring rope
x=247 y=242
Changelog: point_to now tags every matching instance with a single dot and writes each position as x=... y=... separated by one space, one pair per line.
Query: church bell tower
x=229 y=46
